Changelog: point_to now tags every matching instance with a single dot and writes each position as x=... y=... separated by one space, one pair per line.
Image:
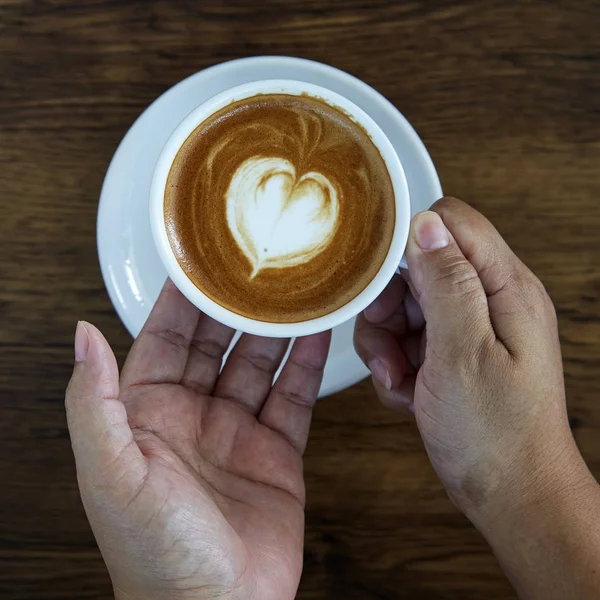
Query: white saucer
x=132 y=270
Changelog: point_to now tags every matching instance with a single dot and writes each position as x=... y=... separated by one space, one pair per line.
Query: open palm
x=192 y=480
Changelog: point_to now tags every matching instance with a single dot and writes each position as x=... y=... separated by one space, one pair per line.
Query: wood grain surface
x=506 y=96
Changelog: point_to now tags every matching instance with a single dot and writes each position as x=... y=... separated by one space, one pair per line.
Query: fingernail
x=430 y=231
x=380 y=373
x=82 y=342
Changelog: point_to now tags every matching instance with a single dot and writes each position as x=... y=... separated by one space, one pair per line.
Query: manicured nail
x=380 y=373
x=430 y=231
x=82 y=342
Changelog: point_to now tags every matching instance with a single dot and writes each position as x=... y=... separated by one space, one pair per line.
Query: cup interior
x=232 y=319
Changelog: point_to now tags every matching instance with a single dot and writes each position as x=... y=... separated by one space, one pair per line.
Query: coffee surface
x=280 y=208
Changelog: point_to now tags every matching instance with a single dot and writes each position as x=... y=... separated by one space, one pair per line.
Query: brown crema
x=334 y=155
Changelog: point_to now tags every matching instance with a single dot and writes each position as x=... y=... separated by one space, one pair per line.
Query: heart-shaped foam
x=277 y=219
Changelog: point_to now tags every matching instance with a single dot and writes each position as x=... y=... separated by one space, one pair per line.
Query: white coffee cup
x=216 y=311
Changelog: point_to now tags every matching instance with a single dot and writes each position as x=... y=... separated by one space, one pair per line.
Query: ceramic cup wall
x=232 y=319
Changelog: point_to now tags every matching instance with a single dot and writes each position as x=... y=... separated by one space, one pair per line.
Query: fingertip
x=325 y=339
x=313 y=349
x=324 y=336
x=99 y=346
x=169 y=285
x=373 y=312
x=400 y=399
x=82 y=341
x=95 y=362
x=380 y=373
x=381 y=353
x=317 y=338
x=429 y=232
x=98 y=423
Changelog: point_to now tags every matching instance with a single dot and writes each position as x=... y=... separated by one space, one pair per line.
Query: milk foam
x=278 y=219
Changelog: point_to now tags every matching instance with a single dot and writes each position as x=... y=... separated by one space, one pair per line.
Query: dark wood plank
x=505 y=96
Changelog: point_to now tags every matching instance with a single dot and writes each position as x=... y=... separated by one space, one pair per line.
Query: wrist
x=541 y=486
x=543 y=529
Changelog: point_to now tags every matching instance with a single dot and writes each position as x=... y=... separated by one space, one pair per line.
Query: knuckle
x=542 y=299
x=297 y=398
x=548 y=309
x=310 y=366
x=551 y=311
x=468 y=354
x=477 y=355
x=536 y=300
x=261 y=362
x=536 y=286
x=360 y=349
x=170 y=336
x=208 y=348
x=457 y=277
x=69 y=395
x=363 y=339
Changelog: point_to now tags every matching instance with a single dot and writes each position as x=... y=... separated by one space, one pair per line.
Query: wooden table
x=505 y=96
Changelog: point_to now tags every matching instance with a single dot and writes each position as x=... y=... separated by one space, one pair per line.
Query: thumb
x=447 y=287
x=102 y=440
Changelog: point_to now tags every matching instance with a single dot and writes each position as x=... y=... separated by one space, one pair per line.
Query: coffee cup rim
x=214 y=309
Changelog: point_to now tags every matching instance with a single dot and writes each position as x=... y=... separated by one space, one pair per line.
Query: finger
x=381 y=339
x=515 y=296
x=248 y=374
x=395 y=309
x=415 y=321
x=392 y=359
x=288 y=409
x=413 y=346
x=387 y=303
x=160 y=352
x=448 y=289
x=414 y=315
x=380 y=351
x=102 y=441
x=400 y=398
x=207 y=348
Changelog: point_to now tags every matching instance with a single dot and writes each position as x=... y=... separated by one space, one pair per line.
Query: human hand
x=472 y=349
x=192 y=480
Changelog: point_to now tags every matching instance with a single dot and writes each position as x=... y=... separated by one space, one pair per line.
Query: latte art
x=279 y=208
x=278 y=219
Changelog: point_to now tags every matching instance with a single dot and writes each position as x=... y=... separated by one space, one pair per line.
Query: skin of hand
x=470 y=346
x=192 y=479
